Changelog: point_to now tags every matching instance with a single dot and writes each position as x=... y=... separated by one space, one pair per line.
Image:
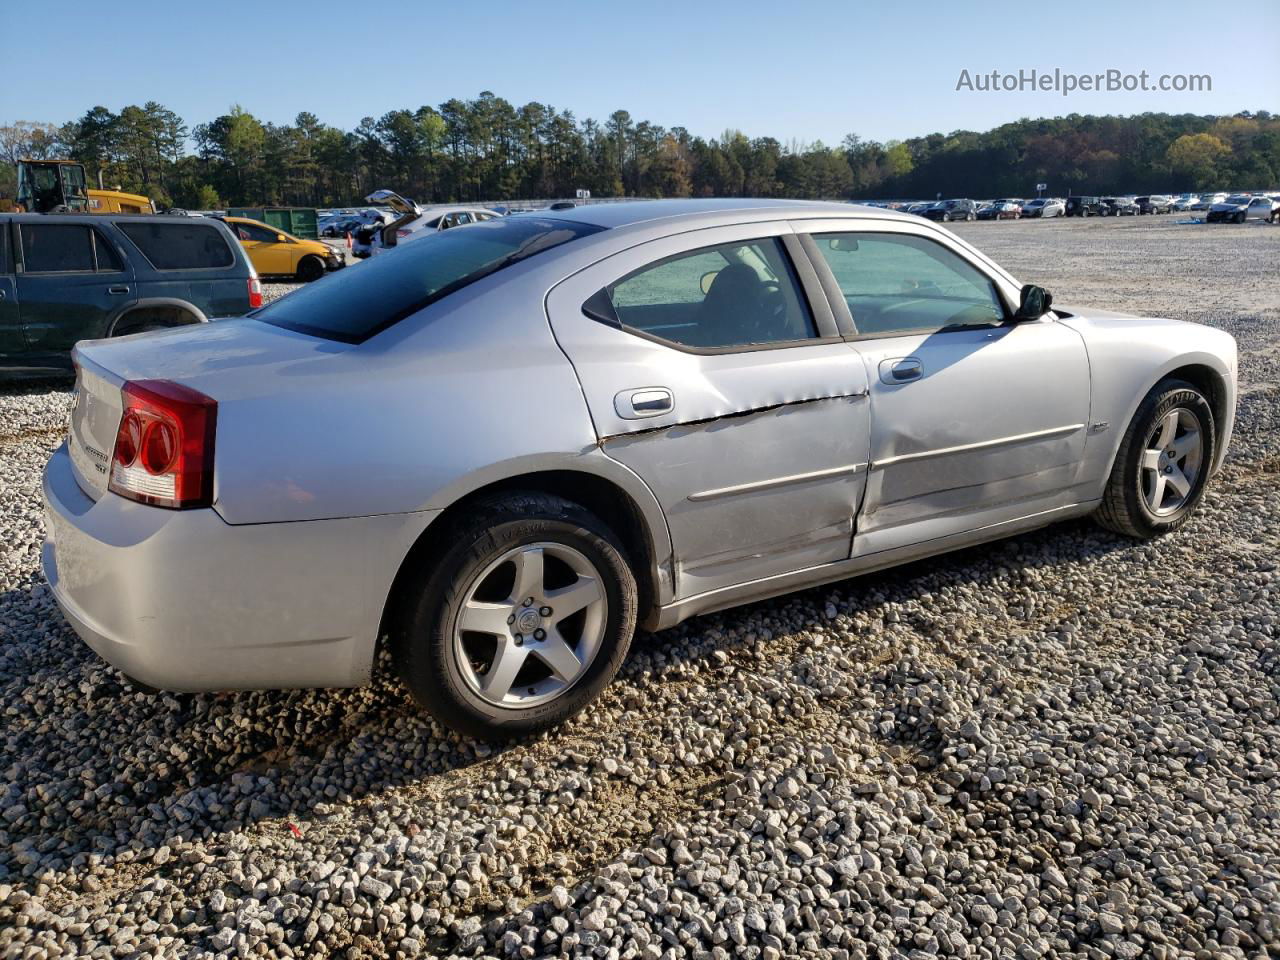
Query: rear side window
x=179 y=246
x=354 y=304
x=727 y=296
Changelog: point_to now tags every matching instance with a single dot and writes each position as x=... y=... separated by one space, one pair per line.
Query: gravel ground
x=1063 y=745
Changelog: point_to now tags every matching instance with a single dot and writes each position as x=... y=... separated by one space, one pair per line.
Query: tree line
x=487 y=149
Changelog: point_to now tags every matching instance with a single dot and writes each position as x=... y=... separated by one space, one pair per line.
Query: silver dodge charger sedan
x=498 y=450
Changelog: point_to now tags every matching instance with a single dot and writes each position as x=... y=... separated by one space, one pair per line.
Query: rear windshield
x=368 y=297
x=179 y=246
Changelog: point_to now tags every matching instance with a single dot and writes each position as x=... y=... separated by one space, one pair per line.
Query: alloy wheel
x=1171 y=462
x=531 y=625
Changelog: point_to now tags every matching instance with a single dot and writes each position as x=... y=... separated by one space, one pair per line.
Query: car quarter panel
x=278 y=605
x=1128 y=356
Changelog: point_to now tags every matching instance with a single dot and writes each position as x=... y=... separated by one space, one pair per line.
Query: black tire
x=310 y=269
x=1239 y=218
x=1124 y=506
x=423 y=640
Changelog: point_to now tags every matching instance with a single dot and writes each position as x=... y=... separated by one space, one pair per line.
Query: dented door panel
x=995 y=420
x=760 y=461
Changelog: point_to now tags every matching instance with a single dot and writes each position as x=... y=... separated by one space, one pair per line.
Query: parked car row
x=1221 y=207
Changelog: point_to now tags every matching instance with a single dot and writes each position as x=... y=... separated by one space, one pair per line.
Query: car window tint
x=179 y=246
x=253 y=232
x=731 y=295
x=5 y=266
x=107 y=258
x=56 y=247
x=357 y=303
x=897 y=284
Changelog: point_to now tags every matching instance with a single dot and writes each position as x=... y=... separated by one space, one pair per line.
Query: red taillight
x=164 y=445
x=402 y=233
x=255 y=293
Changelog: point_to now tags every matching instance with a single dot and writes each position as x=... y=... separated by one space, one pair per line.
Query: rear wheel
x=523 y=620
x=1162 y=466
x=309 y=269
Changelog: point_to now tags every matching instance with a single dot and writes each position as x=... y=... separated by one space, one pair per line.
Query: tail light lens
x=255 y=293
x=402 y=233
x=164 y=445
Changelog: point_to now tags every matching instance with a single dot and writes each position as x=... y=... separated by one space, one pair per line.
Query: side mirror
x=1034 y=304
x=281 y=238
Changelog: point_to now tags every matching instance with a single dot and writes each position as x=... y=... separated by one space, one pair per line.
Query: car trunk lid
x=95 y=417
x=226 y=360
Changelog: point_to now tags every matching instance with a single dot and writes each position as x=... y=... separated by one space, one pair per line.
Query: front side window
x=898 y=284
x=355 y=304
x=179 y=246
x=731 y=295
x=57 y=248
x=252 y=232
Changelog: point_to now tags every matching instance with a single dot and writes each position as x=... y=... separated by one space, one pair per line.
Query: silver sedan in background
x=498 y=450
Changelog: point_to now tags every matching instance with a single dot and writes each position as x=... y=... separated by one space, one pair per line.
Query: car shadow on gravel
x=101 y=767
x=36 y=386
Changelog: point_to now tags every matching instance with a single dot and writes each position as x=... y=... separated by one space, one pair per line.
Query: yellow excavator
x=58 y=186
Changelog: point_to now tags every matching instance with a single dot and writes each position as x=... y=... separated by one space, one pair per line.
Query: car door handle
x=116 y=291
x=901 y=370
x=643 y=402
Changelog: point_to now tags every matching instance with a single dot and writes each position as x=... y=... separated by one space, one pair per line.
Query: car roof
x=625 y=214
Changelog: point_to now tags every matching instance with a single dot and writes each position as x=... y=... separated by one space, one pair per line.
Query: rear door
x=975 y=420
x=12 y=342
x=72 y=283
x=713 y=369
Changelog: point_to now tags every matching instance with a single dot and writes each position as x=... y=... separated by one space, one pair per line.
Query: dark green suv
x=70 y=277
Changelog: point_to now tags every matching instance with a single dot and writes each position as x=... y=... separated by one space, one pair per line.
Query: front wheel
x=522 y=621
x=1160 y=471
x=309 y=269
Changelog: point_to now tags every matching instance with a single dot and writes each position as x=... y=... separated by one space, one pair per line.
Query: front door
x=270 y=256
x=975 y=419
x=718 y=377
x=73 y=282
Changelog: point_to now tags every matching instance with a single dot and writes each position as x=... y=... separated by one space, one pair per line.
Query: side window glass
x=731 y=295
x=255 y=232
x=898 y=284
x=107 y=258
x=57 y=248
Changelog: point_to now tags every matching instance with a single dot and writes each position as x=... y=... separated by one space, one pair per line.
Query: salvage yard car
x=278 y=254
x=1239 y=208
x=69 y=277
x=412 y=222
x=948 y=210
x=501 y=449
x=1044 y=208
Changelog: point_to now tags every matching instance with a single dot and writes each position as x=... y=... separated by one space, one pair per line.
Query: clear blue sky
x=804 y=69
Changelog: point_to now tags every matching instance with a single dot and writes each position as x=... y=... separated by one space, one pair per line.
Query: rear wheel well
x=602 y=497
x=141 y=318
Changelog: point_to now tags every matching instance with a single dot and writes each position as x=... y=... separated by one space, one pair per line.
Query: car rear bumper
x=182 y=600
